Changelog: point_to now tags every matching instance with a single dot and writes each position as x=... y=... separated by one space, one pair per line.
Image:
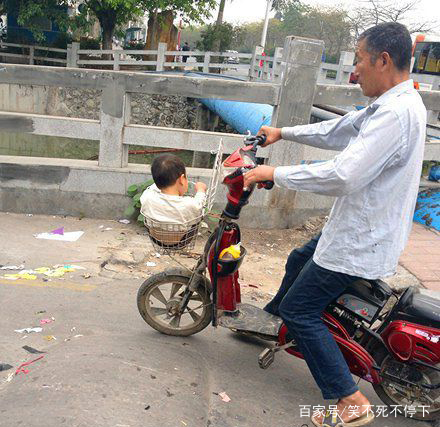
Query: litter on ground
x=28 y=330
x=56 y=271
x=12 y=267
x=32 y=350
x=59 y=231
x=70 y=236
x=5 y=366
x=26 y=371
x=224 y=397
x=25 y=275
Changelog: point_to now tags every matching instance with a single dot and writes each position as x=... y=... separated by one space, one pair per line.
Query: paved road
x=108 y=368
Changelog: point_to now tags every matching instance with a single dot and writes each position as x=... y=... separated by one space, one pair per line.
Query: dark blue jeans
x=305 y=292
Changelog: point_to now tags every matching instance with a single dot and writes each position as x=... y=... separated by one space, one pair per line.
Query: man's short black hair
x=166 y=169
x=389 y=37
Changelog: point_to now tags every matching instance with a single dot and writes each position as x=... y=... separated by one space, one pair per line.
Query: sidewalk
x=422 y=256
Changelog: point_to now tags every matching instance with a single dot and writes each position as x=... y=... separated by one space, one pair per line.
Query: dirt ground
x=260 y=273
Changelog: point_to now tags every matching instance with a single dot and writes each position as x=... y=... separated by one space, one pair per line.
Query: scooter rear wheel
x=393 y=394
x=158 y=299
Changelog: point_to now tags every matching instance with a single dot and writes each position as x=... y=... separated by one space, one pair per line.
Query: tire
x=385 y=390
x=198 y=312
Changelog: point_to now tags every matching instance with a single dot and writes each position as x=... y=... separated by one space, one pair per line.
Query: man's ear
x=385 y=59
x=182 y=179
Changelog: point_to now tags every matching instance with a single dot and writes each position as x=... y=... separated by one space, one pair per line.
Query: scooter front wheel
x=160 y=295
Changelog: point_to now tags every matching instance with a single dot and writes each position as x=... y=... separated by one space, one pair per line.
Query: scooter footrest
x=266 y=358
x=254 y=320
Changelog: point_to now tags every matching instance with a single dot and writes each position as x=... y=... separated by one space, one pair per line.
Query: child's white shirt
x=172 y=209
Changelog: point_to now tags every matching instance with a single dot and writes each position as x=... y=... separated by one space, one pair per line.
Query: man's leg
x=301 y=310
x=294 y=264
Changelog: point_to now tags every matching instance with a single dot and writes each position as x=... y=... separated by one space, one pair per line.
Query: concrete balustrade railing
x=98 y=188
x=257 y=66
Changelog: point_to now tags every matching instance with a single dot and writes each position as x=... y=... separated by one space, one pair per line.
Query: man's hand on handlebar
x=258 y=174
x=272 y=134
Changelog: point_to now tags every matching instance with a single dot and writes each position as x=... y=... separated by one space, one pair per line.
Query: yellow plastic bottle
x=232 y=252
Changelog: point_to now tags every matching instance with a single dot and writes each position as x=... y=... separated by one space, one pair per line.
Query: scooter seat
x=423 y=306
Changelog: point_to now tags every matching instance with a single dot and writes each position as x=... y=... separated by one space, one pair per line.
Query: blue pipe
x=241 y=116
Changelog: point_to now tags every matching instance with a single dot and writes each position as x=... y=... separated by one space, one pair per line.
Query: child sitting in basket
x=164 y=203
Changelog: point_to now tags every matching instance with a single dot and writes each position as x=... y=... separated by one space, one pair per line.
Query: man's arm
x=330 y=134
x=378 y=146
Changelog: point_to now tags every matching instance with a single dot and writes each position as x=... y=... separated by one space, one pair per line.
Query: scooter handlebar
x=267 y=185
x=257 y=140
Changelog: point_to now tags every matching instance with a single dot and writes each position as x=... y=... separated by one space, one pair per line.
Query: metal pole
x=266 y=23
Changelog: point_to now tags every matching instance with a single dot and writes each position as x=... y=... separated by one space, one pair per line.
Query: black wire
x=220 y=231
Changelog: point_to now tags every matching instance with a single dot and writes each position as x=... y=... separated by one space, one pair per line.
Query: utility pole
x=266 y=23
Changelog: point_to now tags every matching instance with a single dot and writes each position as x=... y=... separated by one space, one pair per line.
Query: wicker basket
x=172 y=237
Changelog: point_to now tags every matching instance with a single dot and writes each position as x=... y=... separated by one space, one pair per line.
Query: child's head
x=169 y=171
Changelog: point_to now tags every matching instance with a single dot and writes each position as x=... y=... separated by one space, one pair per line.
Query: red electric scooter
x=391 y=341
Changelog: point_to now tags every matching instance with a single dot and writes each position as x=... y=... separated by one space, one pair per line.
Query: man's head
x=383 y=57
x=169 y=171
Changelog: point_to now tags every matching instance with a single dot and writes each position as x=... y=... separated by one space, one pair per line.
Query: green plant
x=135 y=192
x=136 y=46
x=89 y=43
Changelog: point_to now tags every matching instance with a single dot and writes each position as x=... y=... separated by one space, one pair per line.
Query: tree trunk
x=161 y=30
x=107 y=35
x=216 y=44
x=220 y=12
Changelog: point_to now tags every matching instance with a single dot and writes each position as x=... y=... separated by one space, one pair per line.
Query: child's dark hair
x=166 y=169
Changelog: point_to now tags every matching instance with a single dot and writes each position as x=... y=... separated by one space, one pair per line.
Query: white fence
x=256 y=66
x=33 y=54
x=292 y=97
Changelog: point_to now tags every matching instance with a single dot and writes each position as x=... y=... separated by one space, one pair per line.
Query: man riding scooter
x=375 y=179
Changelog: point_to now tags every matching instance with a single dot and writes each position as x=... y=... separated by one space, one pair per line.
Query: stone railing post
x=206 y=60
x=345 y=59
x=31 y=55
x=161 y=48
x=301 y=62
x=72 y=55
x=253 y=74
x=116 y=60
x=115 y=114
x=276 y=68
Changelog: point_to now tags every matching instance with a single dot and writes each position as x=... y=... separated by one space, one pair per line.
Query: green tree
x=163 y=12
x=332 y=25
x=226 y=35
x=110 y=13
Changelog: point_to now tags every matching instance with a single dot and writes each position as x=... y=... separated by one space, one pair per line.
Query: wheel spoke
x=158 y=311
x=175 y=288
x=193 y=314
x=175 y=323
x=159 y=295
x=196 y=308
x=196 y=297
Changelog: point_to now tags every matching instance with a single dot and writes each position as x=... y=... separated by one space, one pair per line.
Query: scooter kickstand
x=267 y=356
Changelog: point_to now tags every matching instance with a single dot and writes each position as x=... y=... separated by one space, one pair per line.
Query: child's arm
x=200 y=186
x=198 y=200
